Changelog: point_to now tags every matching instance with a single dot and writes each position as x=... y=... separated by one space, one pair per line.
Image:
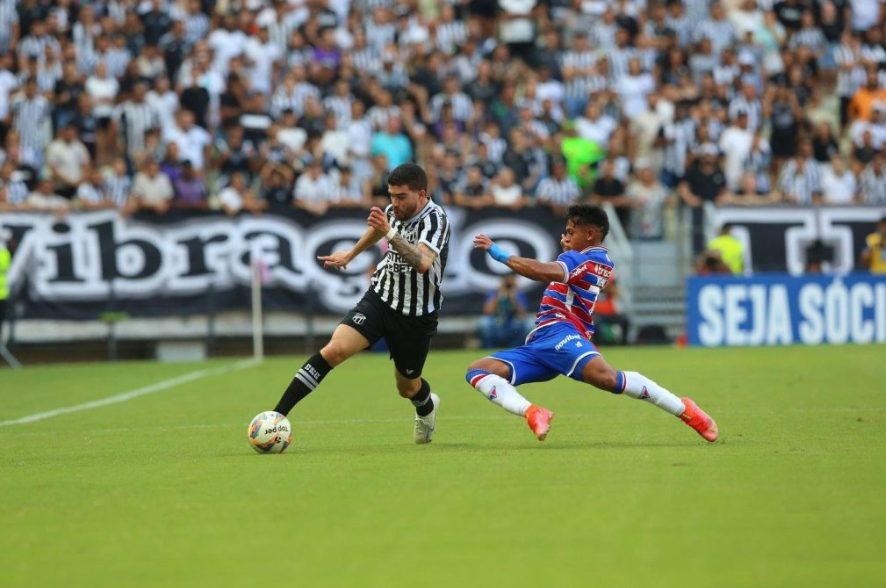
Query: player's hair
x=410 y=175
x=588 y=214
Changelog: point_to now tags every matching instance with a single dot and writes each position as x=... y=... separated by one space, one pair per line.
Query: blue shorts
x=553 y=350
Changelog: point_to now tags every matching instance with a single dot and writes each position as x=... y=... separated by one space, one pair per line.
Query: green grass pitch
x=163 y=490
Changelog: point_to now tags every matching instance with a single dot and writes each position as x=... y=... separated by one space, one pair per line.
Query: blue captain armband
x=499 y=254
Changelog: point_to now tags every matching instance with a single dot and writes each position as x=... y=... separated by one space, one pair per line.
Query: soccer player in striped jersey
x=560 y=343
x=402 y=303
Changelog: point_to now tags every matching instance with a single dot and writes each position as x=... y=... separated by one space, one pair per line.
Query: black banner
x=778 y=239
x=193 y=263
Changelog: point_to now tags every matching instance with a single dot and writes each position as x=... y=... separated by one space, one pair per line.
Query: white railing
x=623 y=254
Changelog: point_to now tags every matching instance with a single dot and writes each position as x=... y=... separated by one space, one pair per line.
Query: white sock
x=500 y=391
x=636 y=385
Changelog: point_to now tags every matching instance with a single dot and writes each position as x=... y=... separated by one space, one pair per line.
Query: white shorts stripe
x=579 y=358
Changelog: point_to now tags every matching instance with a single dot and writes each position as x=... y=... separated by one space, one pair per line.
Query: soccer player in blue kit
x=560 y=343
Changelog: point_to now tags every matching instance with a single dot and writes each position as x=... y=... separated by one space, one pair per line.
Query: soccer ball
x=269 y=432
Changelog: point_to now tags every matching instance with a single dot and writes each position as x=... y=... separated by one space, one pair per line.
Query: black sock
x=422 y=400
x=306 y=379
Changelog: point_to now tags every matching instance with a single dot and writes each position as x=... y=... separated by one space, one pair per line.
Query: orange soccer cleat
x=539 y=420
x=699 y=420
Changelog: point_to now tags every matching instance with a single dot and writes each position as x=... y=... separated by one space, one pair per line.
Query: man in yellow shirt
x=731 y=250
x=5 y=262
x=873 y=258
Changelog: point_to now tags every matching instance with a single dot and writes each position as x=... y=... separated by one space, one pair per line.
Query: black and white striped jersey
x=400 y=285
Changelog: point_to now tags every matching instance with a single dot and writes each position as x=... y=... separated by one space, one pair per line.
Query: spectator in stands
x=800 y=180
x=648 y=197
x=43 y=199
x=504 y=322
x=276 y=185
x=736 y=143
x=190 y=189
x=67 y=159
x=152 y=149
x=30 y=114
x=151 y=191
x=314 y=190
x=705 y=182
x=234 y=154
x=102 y=89
x=66 y=92
x=238 y=196
x=133 y=118
x=824 y=143
x=783 y=110
x=193 y=141
x=506 y=192
x=749 y=193
x=581 y=155
x=13 y=183
x=117 y=183
x=609 y=189
x=838 y=184
x=473 y=191
x=862 y=104
x=558 y=191
x=872 y=182
x=873 y=257
x=91 y=193
x=392 y=143
x=347 y=189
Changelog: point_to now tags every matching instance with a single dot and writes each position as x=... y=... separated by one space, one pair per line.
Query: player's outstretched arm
x=421 y=257
x=341 y=259
x=542 y=271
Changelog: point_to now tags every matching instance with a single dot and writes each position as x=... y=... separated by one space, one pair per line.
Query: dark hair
x=588 y=214
x=410 y=175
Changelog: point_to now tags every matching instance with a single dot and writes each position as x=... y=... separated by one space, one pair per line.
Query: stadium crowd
x=245 y=105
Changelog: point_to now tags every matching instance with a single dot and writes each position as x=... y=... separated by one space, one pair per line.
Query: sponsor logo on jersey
x=358 y=318
x=602 y=270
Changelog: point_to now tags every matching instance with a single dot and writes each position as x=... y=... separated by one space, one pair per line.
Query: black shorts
x=408 y=337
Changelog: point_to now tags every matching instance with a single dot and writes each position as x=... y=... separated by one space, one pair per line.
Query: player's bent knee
x=488 y=364
x=334 y=353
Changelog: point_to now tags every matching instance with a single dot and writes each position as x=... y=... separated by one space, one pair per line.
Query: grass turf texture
x=163 y=490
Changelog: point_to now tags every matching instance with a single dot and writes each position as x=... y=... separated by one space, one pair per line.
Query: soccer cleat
x=699 y=420
x=539 y=420
x=424 y=425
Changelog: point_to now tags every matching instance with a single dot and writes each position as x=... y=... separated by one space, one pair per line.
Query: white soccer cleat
x=424 y=425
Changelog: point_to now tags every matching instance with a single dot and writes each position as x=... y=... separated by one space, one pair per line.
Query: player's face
x=577 y=237
x=406 y=202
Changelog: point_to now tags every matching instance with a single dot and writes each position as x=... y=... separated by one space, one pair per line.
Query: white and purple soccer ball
x=269 y=432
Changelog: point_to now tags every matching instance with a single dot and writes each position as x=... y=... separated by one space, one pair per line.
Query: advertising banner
x=779 y=309
x=183 y=263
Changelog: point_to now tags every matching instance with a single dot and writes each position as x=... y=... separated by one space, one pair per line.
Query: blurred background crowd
x=241 y=106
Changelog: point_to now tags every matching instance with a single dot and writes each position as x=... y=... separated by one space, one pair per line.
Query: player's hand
x=339 y=260
x=483 y=242
x=378 y=220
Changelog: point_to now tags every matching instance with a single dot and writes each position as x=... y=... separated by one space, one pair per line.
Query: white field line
x=126 y=396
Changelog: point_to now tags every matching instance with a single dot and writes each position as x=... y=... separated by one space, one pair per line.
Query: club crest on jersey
x=358 y=318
